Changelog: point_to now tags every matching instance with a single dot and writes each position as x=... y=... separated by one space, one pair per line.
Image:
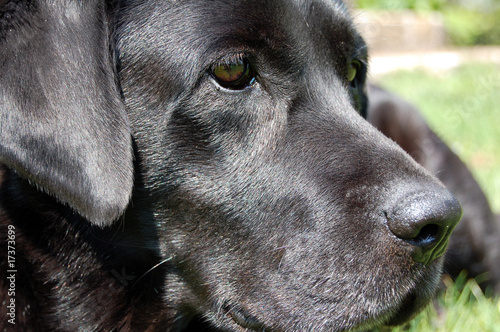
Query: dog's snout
x=425 y=220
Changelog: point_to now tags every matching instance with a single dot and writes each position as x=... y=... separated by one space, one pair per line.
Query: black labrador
x=191 y=165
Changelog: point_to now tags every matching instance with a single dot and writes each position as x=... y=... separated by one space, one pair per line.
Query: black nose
x=425 y=220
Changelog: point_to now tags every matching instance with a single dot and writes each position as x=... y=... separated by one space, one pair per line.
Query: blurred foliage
x=467 y=22
x=403 y=4
x=470 y=27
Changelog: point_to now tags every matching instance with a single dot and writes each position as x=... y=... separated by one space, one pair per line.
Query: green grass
x=460 y=307
x=463 y=107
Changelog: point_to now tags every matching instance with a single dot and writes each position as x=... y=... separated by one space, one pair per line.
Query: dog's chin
x=411 y=305
x=416 y=300
x=407 y=310
x=388 y=314
x=408 y=307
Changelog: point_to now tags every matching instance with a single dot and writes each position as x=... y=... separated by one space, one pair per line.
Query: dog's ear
x=62 y=122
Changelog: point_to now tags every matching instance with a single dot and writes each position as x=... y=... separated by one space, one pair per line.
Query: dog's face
x=276 y=205
x=271 y=190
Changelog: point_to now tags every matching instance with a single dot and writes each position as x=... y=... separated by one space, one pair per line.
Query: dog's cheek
x=236 y=121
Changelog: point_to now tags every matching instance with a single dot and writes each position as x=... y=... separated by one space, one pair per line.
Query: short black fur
x=145 y=196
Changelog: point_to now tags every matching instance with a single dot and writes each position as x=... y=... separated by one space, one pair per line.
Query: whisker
x=151 y=269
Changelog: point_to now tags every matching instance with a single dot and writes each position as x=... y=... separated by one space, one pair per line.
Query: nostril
x=428 y=236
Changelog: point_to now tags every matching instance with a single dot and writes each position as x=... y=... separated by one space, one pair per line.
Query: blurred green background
x=461 y=103
x=468 y=22
x=462 y=106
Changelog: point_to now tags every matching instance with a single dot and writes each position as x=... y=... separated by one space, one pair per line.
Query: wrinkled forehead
x=232 y=22
x=196 y=33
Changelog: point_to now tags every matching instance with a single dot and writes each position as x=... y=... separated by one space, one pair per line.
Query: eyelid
x=228 y=59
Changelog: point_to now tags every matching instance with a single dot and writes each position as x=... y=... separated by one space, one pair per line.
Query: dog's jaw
x=282 y=299
x=401 y=309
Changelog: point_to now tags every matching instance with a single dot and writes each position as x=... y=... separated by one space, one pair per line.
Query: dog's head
x=277 y=205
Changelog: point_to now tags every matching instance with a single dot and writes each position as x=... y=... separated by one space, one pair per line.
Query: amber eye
x=235 y=75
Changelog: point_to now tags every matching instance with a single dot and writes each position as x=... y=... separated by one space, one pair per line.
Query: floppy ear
x=62 y=122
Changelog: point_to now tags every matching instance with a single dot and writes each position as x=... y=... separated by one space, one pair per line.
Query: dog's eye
x=236 y=74
x=352 y=71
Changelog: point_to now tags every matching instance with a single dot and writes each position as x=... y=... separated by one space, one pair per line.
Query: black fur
x=276 y=207
x=57 y=76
